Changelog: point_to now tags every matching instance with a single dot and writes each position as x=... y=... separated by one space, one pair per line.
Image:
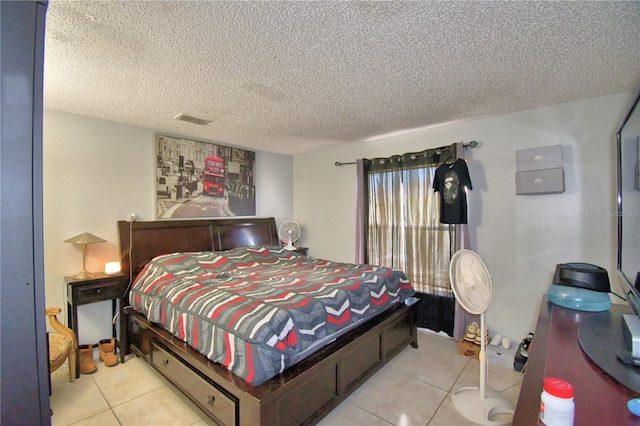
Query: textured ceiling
x=294 y=77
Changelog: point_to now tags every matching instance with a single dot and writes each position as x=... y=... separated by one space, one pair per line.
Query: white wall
x=97 y=172
x=520 y=238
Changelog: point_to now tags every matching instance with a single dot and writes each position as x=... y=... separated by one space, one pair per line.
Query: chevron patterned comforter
x=258 y=310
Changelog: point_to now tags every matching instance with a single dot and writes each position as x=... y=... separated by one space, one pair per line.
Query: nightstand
x=97 y=289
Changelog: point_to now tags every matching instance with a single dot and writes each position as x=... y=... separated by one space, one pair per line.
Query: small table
x=81 y=291
x=302 y=250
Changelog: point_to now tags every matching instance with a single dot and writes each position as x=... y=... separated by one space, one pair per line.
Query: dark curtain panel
x=436 y=312
x=462 y=317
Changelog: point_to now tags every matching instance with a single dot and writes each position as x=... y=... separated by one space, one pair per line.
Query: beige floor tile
x=447 y=415
x=159 y=407
x=102 y=369
x=126 y=381
x=76 y=401
x=499 y=379
x=347 y=414
x=105 y=418
x=436 y=342
x=398 y=399
x=511 y=394
x=436 y=368
x=203 y=422
x=60 y=377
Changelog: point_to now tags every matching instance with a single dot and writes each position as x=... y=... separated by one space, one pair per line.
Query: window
x=403 y=228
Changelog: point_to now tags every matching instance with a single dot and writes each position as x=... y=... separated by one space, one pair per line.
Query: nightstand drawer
x=95 y=292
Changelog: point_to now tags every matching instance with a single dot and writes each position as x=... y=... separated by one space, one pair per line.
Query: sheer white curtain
x=403 y=228
x=398 y=226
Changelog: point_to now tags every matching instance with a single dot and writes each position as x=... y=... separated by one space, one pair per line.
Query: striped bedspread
x=258 y=310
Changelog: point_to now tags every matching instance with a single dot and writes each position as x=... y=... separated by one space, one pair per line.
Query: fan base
x=492 y=410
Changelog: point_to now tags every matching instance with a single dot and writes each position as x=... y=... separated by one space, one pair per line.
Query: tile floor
x=413 y=389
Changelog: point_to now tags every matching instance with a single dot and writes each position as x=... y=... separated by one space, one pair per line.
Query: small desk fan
x=473 y=288
x=289 y=231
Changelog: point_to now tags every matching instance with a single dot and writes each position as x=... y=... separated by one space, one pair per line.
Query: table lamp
x=85 y=239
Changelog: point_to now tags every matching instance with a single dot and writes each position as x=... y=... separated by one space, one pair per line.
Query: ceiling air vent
x=191 y=119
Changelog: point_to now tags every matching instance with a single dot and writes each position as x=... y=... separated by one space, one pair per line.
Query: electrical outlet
x=132 y=217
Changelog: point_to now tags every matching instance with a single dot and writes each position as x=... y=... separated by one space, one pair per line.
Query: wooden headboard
x=142 y=241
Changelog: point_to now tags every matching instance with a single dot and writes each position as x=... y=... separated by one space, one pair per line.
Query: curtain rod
x=471 y=144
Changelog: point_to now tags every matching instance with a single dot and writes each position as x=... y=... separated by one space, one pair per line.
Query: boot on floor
x=107 y=349
x=87 y=365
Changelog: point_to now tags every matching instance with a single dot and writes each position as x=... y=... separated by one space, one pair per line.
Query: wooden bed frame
x=302 y=394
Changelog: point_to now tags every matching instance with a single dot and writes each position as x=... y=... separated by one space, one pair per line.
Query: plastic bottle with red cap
x=556 y=402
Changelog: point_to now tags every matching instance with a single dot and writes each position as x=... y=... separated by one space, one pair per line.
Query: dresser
x=556 y=352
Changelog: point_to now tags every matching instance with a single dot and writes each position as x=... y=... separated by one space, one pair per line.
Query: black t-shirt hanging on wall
x=450 y=181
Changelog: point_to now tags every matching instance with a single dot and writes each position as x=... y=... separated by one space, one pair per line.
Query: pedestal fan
x=473 y=288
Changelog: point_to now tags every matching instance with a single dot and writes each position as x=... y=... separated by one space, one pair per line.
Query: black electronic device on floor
x=522 y=354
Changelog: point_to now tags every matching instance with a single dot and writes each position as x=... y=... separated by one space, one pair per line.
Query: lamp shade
x=85 y=238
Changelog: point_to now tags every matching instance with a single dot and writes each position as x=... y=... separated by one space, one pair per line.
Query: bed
x=289 y=391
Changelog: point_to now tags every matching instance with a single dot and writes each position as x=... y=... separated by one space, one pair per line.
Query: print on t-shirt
x=451 y=183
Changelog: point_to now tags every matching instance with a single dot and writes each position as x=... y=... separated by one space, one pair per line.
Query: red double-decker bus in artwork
x=214 y=179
